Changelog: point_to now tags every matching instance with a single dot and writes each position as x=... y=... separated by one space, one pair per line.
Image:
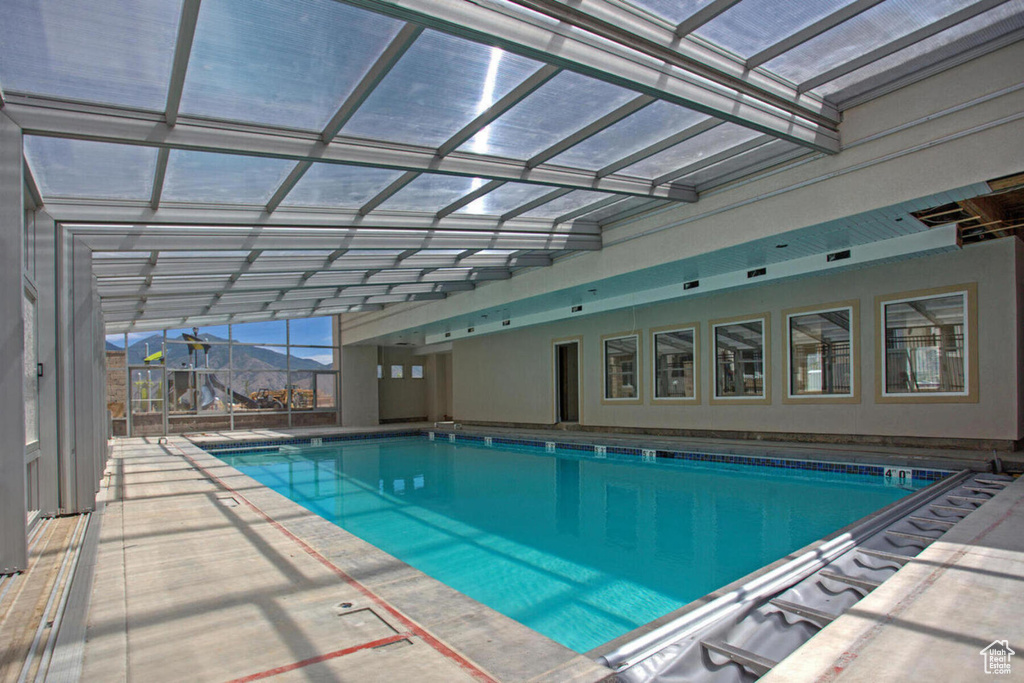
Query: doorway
x=567 y=381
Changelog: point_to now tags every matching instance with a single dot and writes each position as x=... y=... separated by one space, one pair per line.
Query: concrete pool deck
x=206 y=575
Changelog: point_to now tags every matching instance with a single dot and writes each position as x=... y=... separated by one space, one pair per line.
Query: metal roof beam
x=703 y=16
x=485 y=118
x=660 y=146
x=817 y=28
x=468 y=199
x=162 y=238
x=387 y=60
x=162 y=156
x=900 y=43
x=628 y=49
x=80 y=213
x=182 y=53
x=606 y=121
x=170 y=266
x=61 y=118
x=531 y=205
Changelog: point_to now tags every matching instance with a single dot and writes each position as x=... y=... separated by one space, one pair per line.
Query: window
x=740 y=351
x=675 y=363
x=380 y=371
x=417 y=372
x=821 y=357
x=397 y=371
x=926 y=342
x=621 y=358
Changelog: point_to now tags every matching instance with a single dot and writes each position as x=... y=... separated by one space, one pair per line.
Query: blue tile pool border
x=256 y=447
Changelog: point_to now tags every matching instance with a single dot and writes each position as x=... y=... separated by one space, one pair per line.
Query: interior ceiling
x=231 y=160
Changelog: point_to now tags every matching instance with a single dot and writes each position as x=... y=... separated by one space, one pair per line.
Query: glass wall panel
x=147 y=391
x=620 y=367
x=86 y=169
x=739 y=359
x=289 y=64
x=925 y=345
x=264 y=390
x=222 y=178
x=335 y=185
x=31 y=379
x=271 y=332
x=438 y=86
x=560 y=107
x=674 y=364
x=110 y=51
x=820 y=346
x=675 y=11
x=326 y=390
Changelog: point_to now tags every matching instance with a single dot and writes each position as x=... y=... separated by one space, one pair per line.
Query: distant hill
x=111 y=347
x=261 y=366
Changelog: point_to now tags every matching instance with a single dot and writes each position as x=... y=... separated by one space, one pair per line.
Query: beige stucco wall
x=508 y=377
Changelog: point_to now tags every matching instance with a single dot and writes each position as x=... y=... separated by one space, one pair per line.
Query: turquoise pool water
x=579 y=548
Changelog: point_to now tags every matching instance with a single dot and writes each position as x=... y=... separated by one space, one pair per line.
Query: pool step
x=882 y=555
x=988 y=489
x=993 y=482
x=819 y=617
x=933 y=520
x=951 y=508
x=969 y=499
x=920 y=538
x=748 y=660
x=855 y=581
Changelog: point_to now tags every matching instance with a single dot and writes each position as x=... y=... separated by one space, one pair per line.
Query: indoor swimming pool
x=580 y=546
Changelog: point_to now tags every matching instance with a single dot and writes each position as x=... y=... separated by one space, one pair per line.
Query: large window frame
x=765 y=396
x=636 y=372
x=853 y=395
x=694 y=330
x=294 y=401
x=968 y=293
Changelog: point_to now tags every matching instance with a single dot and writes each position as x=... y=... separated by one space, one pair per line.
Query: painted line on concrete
x=841 y=663
x=321 y=658
x=406 y=622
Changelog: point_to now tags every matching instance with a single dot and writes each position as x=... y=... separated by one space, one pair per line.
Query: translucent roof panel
x=759 y=157
x=507 y=197
x=84 y=169
x=562 y=106
x=651 y=124
x=222 y=178
x=334 y=185
x=750 y=26
x=110 y=51
x=718 y=139
x=438 y=86
x=674 y=11
x=983 y=28
x=878 y=26
x=431 y=192
x=288 y=64
x=576 y=199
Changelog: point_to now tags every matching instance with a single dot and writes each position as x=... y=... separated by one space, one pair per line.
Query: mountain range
x=262 y=366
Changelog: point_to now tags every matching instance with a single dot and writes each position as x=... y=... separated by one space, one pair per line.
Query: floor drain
x=345 y=605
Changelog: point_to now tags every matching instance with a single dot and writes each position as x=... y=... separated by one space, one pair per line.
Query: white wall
x=508 y=377
x=359 y=399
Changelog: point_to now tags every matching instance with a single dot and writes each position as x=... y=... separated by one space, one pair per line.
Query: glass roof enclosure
x=277 y=159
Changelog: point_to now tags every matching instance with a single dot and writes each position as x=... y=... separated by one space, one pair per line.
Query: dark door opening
x=568 y=381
